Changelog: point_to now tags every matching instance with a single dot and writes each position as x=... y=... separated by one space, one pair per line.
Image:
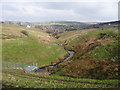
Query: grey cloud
x=84 y=11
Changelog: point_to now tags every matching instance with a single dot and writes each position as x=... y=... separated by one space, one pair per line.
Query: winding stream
x=71 y=53
x=9 y=65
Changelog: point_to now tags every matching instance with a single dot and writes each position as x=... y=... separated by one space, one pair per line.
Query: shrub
x=24 y=32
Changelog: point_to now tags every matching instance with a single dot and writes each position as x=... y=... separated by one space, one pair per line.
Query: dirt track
x=26 y=76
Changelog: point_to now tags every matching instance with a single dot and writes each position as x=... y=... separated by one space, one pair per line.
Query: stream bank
x=43 y=69
x=55 y=66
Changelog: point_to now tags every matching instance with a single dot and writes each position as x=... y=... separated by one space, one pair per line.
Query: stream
x=71 y=53
x=34 y=68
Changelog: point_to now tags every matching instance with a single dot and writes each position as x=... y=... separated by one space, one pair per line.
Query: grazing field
x=30 y=51
x=27 y=49
x=14 y=31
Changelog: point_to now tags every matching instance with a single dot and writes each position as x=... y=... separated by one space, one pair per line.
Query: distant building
x=28 y=26
x=109 y=24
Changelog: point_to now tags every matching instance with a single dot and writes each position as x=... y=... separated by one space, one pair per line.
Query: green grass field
x=28 y=49
x=109 y=50
x=33 y=33
x=83 y=36
x=17 y=78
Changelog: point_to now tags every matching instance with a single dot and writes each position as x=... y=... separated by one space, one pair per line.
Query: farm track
x=26 y=76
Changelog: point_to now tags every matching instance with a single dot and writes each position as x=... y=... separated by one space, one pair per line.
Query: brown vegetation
x=87 y=66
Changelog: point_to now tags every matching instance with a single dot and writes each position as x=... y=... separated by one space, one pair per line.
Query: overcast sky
x=36 y=11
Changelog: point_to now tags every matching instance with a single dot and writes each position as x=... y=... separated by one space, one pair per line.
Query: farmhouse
x=28 y=26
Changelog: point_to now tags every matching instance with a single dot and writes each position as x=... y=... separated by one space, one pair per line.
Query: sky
x=59 y=10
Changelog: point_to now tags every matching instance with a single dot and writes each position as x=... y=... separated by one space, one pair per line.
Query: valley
x=85 y=56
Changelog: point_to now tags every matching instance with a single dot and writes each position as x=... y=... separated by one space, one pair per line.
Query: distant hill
x=105 y=24
x=64 y=25
x=110 y=23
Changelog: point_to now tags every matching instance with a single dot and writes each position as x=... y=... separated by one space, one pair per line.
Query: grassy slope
x=25 y=50
x=29 y=51
x=73 y=35
x=16 y=30
x=13 y=78
x=96 y=55
x=83 y=36
x=105 y=51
